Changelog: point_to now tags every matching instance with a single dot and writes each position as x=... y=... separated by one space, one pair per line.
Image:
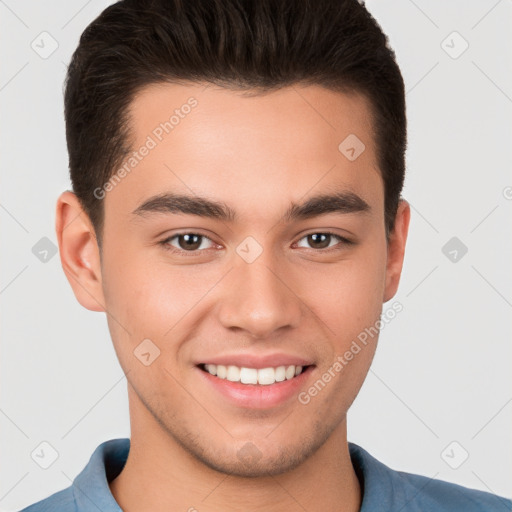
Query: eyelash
x=165 y=243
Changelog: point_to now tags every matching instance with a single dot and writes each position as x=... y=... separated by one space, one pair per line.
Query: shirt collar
x=91 y=486
x=379 y=486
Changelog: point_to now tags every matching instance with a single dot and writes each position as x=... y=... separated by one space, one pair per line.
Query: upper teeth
x=244 y=375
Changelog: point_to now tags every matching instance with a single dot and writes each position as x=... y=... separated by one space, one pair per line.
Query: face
x=249 y=275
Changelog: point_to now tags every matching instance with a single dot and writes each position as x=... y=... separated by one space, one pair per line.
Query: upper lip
x=257 y=361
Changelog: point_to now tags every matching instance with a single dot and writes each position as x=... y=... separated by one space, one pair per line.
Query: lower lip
x=257 y=396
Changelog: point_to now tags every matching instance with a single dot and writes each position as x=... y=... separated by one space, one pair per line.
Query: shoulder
x=91 y=485
x=423 y=493
x=387 y=489
x=63 y=501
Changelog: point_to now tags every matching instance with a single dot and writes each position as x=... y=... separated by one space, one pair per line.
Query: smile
x=261 y=376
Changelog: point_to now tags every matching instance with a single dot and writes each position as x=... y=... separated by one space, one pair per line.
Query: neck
x=160 y=475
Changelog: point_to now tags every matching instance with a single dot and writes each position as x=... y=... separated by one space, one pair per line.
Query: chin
x=255 y=458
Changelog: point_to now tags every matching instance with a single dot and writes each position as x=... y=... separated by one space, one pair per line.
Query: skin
x=258 y=154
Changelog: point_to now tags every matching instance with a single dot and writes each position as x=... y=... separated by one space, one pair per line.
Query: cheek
x=135 y=287
x=151 y=300
x=351 y=306
x=132 y=299
x=348 y=295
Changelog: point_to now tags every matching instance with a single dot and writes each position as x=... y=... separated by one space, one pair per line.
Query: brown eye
x=319 y=240
x=187 y=242
x=322 y=240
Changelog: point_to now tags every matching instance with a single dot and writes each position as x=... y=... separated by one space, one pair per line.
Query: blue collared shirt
x=384 y=489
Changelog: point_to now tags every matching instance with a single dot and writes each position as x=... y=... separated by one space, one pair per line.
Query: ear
x=396 y=249
x=79 y=252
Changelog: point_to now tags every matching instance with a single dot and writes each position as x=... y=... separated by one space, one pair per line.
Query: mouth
x=254 y=376
x=257 y=385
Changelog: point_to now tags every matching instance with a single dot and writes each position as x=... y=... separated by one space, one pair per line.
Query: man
x=237 y=169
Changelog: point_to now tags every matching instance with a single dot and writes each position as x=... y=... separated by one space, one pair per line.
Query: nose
x=259 y=298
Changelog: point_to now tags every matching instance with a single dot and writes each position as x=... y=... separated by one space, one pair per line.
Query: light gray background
x=442 y=371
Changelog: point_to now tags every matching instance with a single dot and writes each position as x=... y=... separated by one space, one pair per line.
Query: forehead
x=248 y=148
x=312 y=113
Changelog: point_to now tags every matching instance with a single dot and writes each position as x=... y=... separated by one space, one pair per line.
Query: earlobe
x=79 y=252
x=396 y=249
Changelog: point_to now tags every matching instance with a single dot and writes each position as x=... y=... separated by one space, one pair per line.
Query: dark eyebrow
x=340 y=202
x=193 y=205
